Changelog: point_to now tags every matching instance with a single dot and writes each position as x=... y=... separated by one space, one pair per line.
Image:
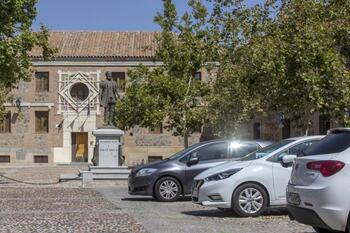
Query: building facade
x=51 y=118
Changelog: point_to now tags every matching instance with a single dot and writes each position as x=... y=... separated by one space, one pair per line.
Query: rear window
x=332 y=143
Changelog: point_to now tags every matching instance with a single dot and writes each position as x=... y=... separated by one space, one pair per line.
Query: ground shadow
x=181 y=199
x=227 y=213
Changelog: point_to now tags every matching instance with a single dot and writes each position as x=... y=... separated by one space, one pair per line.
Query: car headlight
x=223 y=175
x=146 y=172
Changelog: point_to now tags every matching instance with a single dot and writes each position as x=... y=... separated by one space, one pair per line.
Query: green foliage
x=16 y=40
x=285 y=56
x=289 y=58
x=169 y=94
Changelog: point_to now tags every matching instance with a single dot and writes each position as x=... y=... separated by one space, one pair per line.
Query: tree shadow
x=151 y=199
x=228 y=213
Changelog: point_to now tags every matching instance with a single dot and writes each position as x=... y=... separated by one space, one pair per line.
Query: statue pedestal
x=107 y=158
x=107 y=151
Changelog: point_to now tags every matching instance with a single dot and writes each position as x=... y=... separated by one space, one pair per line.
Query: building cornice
x=98 y=63
x=31 y=104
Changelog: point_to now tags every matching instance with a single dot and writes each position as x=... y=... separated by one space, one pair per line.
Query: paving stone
x=64 y=207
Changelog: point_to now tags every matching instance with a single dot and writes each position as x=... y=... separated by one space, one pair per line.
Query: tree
x=169 y=94
x=16 y=40
x=288 y=58
x=232 y=27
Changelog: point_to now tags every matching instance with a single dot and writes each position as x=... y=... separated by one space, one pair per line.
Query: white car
x=253 y=183
x=319 y=190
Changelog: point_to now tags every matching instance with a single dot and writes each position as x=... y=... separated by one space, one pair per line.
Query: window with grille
x=154 y=158
x=5 y=124
x=198 y=76
x=41 y=159
x=41 y=81
x=324 y=124
x=256 y=131
x=286 y=129
x=119 y=78
x=5 y=159
x=41 y=121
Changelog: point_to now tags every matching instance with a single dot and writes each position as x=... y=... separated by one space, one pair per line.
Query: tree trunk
x=186 y=140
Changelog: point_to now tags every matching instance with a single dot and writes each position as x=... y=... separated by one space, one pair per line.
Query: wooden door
x=80 y=147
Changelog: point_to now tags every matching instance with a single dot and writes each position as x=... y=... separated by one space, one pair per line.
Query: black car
x=167 y=179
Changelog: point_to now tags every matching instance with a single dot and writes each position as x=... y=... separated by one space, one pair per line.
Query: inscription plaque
x=108 y=153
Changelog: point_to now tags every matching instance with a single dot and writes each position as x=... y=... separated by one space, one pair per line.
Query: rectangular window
x=256 y=131
x=156 y=130
x=41 y=81
x=119 y=78
x=324 y=124
x=5 y=124
x=41 y=159
x=154 y=158
x=5 y=159
x=41 y=121
x=198 y=76
x=286 y=129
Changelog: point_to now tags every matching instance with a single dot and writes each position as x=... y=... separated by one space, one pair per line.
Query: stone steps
x=99 y=173
x=110 y=173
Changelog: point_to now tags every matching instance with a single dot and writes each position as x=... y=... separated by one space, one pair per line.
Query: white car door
x=281 y=175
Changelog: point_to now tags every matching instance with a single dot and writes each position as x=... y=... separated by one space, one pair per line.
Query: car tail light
x=327 y=168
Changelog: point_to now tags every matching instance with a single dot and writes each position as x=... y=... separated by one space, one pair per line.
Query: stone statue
x=108 y=98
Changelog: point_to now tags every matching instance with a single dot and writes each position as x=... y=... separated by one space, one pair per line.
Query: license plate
x=293 y=198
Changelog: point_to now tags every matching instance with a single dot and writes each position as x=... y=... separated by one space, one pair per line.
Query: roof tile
x=101 y=44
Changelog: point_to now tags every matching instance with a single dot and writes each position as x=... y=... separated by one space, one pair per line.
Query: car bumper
x=307 y=217
x=323 y=211
x=140 y=185
x=213 y=194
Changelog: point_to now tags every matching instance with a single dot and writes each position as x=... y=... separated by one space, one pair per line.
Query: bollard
x=87 y=177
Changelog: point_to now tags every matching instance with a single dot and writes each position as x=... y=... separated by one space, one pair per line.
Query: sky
x=103 y=15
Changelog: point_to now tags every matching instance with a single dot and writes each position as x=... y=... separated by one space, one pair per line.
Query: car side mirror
x=192 y=161
x=287 y=161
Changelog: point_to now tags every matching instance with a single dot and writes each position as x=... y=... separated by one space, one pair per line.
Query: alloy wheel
x=250 y=200
x=168 y=189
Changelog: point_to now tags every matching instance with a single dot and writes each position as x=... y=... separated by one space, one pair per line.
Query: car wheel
x=322 y=230
x=167 y=189
x=249 y=200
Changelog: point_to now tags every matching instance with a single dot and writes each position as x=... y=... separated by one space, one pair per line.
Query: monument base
x=107 y=152
x=98 y=173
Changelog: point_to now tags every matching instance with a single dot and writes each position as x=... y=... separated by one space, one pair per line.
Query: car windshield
x=266 y=150
x=182 y=152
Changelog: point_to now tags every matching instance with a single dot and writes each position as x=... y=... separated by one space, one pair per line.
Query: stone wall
x=138 y=144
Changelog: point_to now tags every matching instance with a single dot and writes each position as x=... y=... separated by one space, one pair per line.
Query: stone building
x=51 y=118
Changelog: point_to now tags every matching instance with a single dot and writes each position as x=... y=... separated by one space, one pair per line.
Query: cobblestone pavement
x=64 y=207
x=68 y=207
x=184 y=216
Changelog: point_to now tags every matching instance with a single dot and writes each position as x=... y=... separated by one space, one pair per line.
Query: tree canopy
x=169 y=94
x=16 y=39
x=286 y=56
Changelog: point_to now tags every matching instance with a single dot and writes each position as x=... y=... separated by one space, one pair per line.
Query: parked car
x=166 y=180
x=319 y=189
x=253 y=183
